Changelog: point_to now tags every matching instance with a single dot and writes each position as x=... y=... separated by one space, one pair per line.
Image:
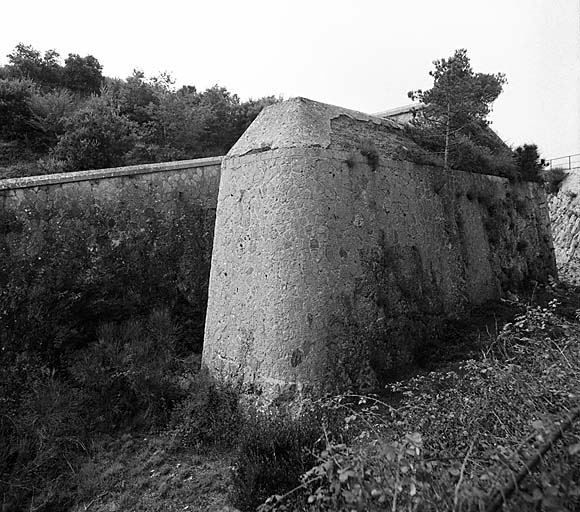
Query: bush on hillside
x=127 y=379
x=529 y=163
x=127 y=374
x=473 y=151
x=16 y=111
x=96 y=137
x=208 y=417
x=274 y=448
x=90 y=263
x=42 y=432
x=553 y=179
x=459 y=435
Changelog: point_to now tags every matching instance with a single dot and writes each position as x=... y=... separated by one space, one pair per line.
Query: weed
x=553 y=179
x=40 y=442
x=209 y=416
x=127 y=372
x=274 y=450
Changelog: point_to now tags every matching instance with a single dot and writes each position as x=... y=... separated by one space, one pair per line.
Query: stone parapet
x=113 y=172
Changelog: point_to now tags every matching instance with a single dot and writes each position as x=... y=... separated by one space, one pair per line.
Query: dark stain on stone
x=296 y=358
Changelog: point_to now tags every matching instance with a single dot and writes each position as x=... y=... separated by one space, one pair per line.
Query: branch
x=502 y=495
x=461 y=474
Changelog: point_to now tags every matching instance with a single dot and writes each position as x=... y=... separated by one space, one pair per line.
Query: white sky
x=359 y=54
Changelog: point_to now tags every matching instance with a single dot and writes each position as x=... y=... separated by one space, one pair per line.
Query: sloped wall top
x=297 y=122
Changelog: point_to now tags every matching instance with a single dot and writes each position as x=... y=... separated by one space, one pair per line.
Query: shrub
x=90 y=263
x=50 y=110
x=82 y=74
x=40 y=437
x=15 y=110
x=470 y=156
x=459 y=435
x=96 y=137
x=377 y=476
x=274 y=449
x=553 y=179
x=127 y=372
x=529 y=163
x=207 y=417
x=273 y=452
x=477 y=150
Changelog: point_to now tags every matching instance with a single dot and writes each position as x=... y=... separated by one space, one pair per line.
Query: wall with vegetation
x=335 y=251
x=83 y=248
x=565 y=215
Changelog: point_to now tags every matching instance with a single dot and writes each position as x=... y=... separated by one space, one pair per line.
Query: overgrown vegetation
x=128 y=409
x=553 y=179
x=451 y=123
x=70 y=117
x=68 y=265
x=458 y=102
x=49 y=417
x=103 y=406
x=454 y=439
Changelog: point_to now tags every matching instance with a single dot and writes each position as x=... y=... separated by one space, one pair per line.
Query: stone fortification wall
x=565 y=215
x=334 y=254
x=80 y=248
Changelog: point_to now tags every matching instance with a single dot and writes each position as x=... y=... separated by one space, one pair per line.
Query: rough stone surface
x=332 y=255
x=565 y=215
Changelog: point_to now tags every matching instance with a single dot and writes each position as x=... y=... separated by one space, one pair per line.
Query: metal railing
x=566 y=163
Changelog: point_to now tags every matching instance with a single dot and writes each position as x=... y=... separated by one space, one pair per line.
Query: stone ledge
x=113 y=172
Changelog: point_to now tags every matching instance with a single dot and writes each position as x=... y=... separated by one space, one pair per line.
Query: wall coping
x=113 y=172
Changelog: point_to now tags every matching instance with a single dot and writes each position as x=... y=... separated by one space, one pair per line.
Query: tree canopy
x=458 y=103
x=70 y=117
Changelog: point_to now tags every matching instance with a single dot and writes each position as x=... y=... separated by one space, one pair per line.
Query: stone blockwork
x=81 y=248
x=333 y=254
x=565 y=215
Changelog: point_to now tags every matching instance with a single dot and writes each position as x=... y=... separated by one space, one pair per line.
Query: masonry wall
x=81 y=248
x=565 y=215
x=334 y=254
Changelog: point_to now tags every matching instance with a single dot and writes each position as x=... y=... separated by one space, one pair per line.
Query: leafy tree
x=459 y=98
x=135 y=97
x=82 y=74
x=51 y=110
x=97 y=136
x=177 y=126
x=218 y=109
x=46 y=109
x=27 y=63
x=15 y=110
